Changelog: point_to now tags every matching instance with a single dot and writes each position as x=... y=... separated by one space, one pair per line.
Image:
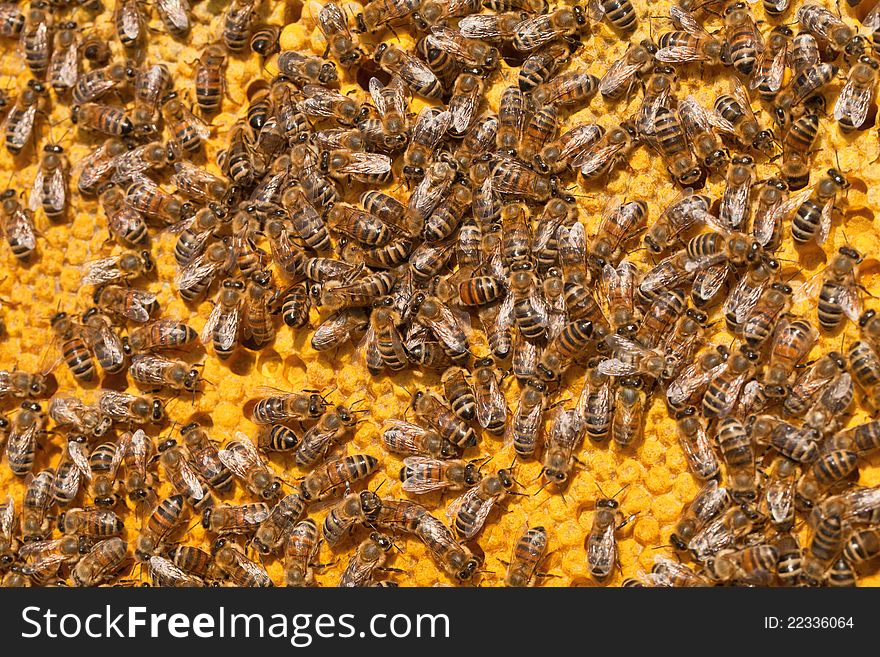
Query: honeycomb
x=652 y=478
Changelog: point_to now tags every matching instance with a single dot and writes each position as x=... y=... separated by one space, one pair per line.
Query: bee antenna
x=625 y=486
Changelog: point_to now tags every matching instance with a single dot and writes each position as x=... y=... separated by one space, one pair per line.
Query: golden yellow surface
x=655 y=472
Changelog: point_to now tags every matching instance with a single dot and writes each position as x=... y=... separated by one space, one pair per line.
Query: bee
x=222 y=327
x=118 y=269
x=792 y=341
x=724 y=532
x=296 y=303
x=490 y=27
x=825 y=544
x=236 y=568
x=193 y=280
x=473 y=53
x=343 y=165
x=527 y=422
x=161 y=334
x=825 y=25
x=98 y=168
x=18 y=127
x=150 y=370
x=380 y=13
x=242 y=458
x=35 y=525
x=180 y=473
x=601 y=542
x=331 y=427
x=274 y=530
x=130 y=303
x=371 y=555
x=300 y=551
x=691 y=43
x=20 y=384
x=73 y=348
x=210 y=79
x=614 y=147
x=106 y=119
x=101 y=563
x=150 y=84
x=93 y=85
x=699 y=126
x=744 y=41
x=828 y=470
x=534 y=32
x=710 y=501
x=694 y=440
x=512 y=116
x=619 y=223
x=355 y=508
x=205 y=459
x=528 y=552
x=323 y=481
x=427 y=131
x=861 y=546
x=104 y=462
x=761 y=323
x=45 y=558
x=812 y=219
x=797 y=145
x=123 y=407
x=453 y=558
x=620 y=77
x=94 y=523
x=130 y=23
x=566 y=90
x=237 y=24
x=11 y=20
x=838 y=289
x=264 y=40
x=189 y=131
x=769 y=73
x=164 y=522
x=241 y=519
x=542 y=128
x=175 y=15
x=165 y=573
x=106 y=345
x=36 y=43
x=237 y=161
x=854 y=101
x=404 y=438
x=864 y=364
x=736 y=109
x=191 y=560
x=340 y=41
x=755 y=565
x=566 y=435
x=809 y=82
x=772 y=204
x=64 y=63
x=339 y=328
x=72 y=413
x=664 y=132
x=725 y=386
x=813 y=380
x=513 y=178
x=468 y=513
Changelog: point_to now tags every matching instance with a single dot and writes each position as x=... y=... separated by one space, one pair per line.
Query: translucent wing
x=102 y=271
x=810 y=287
x=331 y=20
x=80 y=458
x=455 y=506
x=743 y=298
x=679 y=54
x=738 y=91
x=854 y=102
x=711 y=281
x=7 y=517
x=18 y=133
x=164 y=572
x=66 y=72
x=367 y=163
x=463 y=107
x=684 y=20
x=240 y=456
x=825 y=222
x=691 y=379
x=174 y=11
x=616 y=367
x=430 y=126
x=491 y=404
x=619 y=74
x=197 y=271
x=35 y=200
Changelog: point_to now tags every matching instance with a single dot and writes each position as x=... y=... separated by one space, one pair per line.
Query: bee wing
x=578 y=142
x=491 y=405
x=7 y=517
x=463 y=107
x=228 y=332
x=80 y=458
x=839 y=392
x=742 y=300
x=175 y=12
x=663 y=274
x=712 y=280
x=388 y=98
x=66 y=73
x=162 y=569
x=854 y=102
x=850 y=302
x=430 y=126
x=595 y=159
x=684 y=20
x=19 y=132
x=616 y=367
x=456 y=504
x=102 y=271
x=871 y=19
x=694 y=117
x=35 y=200
x=735 y=203
x=196 y=271
x=825 y=222
x=700 y=454
x=448 y=40
x=739 y=93
x=780 y=498
x=679 y=55
x=479 y=26
x=367 y=163
x=57 y=190
x=129 y=20
x=773 y=76
x=602 y=549
x=619 y=74
x=810 y=287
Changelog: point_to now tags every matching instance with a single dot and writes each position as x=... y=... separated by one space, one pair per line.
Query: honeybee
x=490 y=27
x=175 y=15
x=423 y=475
x=21 y=384
x=72 y=413
x=205 y=459
x=355 y=508
x=237 y=24
x=118 y=268
x=854 y=101
x=129 y=22
x=300 y=551
x=93 y=523
x=323 y=481
x=239 y=519
x=164 y=522
x=813 y=380
x=404 y=438
x=700 y=127
x=339 y=328
x=98 y=167
x=242 y=458
x=140 y=483
x=805 y=84
x=123 y=407
x=613 y=148
x=36 y=43
x=340 y=41
x=166 y=573
x=156 y=372
x=73 y=348
x=191 y=560
x=723 y=532
x=149 y=199
x=161 y=334
x=691 y=44
x=694 y=439
x=35 y=525
x=106 y=345
x=744 y=42
x=101 y=563
x=64 y=64
x=11 y=21
x=381 y=13
x=601 y=542
x=710 y=501
x=769 y=73
x=18 y=126
x=210 y=78
x=523 y=431
x=189 y=131
x=736 y=109
x=45 y=558
x=275 y=530
x=371 y=554
x=727 y=382
x=264 y=40
x=412 y=71
x=528 y=552
x=222 y=327
x=468 y=513
x=536 y=31
x=236 y=568
x=824 y=24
